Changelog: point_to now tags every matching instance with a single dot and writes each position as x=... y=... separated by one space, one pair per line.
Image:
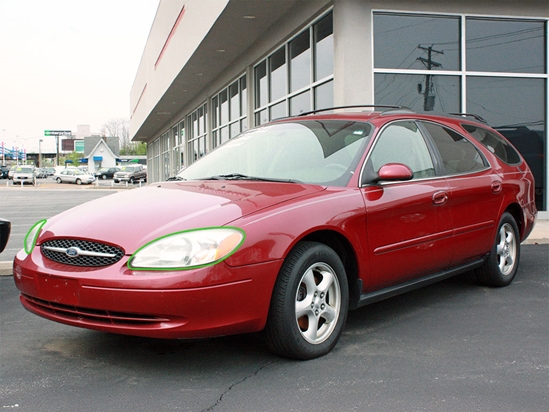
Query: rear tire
x=309 y=303
x=502 y=263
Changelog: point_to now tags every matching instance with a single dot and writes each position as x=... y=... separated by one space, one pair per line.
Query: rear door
x=475 y=192
x=408 y=222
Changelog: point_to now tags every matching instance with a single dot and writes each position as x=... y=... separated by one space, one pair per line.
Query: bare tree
x=119 y=128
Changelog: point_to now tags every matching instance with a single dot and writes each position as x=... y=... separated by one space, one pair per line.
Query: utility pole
x=429 y=95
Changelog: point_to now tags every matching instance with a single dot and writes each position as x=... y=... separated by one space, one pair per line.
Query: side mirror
x=5 y=229
x=394 y=172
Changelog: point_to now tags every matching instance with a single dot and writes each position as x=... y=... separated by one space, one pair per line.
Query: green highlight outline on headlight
x=166 y=269
x=35 y=231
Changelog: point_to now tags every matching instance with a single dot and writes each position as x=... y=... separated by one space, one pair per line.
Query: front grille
x=98 y=317
x=88 y=253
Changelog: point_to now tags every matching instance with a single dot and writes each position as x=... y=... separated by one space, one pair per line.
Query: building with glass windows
x=213 y=68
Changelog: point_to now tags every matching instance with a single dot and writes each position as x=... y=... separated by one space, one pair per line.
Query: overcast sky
x=65 y=63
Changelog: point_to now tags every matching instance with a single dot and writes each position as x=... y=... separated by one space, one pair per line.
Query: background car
x=4 y=172
x=106 y=172
x=5 y=229
x=24 y=174
x=286 y=228
x=73 y=175
x=131 y=173
x=40 y=173
x=12 y=171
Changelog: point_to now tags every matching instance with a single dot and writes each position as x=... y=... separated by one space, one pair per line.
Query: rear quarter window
x=495 y=143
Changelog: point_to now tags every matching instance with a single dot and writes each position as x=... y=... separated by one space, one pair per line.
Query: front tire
x=58 y=180
x=502 y=263
x=309 y=303
x=78 y=182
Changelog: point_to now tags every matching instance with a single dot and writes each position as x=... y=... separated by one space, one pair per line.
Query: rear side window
x=458 y=154
x=497 y=145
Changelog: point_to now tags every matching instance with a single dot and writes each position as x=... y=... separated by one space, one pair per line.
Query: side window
x=494 y=143
x=458 y=154
x=402 y=142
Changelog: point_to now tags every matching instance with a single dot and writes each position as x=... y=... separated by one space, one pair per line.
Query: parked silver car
x=74 y=176
x=24 y=174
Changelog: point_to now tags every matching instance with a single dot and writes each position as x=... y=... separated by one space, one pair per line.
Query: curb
x=6 y=268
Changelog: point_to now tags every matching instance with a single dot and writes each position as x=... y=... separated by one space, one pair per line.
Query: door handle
x=496 y=186
x=440 y=198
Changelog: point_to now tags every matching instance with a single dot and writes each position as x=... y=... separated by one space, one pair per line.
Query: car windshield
x=317 y=152
x=127 y=169
x=24 y=170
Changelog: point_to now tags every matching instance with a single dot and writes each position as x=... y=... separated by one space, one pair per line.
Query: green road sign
x=57 y=133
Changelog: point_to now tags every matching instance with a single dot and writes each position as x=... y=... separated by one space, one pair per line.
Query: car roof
x=366 y=113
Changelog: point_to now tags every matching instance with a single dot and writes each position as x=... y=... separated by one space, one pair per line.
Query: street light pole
x=40 y=153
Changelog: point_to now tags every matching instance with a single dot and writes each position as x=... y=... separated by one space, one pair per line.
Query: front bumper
x=206 y=302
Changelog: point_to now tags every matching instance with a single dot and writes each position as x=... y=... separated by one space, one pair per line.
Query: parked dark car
x=4 y=172
x=106 y=172
x=5 y=229
x=286 y=228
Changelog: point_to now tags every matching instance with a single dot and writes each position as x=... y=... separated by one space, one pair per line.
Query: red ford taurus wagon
x=286 y=228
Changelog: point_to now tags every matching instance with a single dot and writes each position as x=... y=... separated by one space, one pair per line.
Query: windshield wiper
x=170 y=179
x=240 y=176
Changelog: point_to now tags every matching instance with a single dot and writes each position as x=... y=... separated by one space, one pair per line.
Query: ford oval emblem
x=72 y=252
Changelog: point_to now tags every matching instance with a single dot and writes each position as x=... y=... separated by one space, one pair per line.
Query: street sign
x=57 y=133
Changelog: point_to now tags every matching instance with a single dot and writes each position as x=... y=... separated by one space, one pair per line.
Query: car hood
x=132 y=218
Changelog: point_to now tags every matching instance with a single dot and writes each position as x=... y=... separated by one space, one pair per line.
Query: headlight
x=188 y=250
x=32 y=236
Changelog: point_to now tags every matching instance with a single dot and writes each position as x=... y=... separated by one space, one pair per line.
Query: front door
x=408 y=223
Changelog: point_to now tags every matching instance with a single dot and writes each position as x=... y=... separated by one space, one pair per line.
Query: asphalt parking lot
x=452 y=346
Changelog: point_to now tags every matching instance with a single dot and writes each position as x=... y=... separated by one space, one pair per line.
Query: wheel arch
x=346 y=252
x=515 y=210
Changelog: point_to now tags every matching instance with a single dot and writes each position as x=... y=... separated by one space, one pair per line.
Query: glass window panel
x=278 y=110
x=410 y=90
x=324 y=47
x=261 y=85
x=324 y=95
x=261 y=117
x=402 y=142
x=416 y=42
x=234 y=129
x=458 y=154
x=300 y=103
x=244 y=125
x=224 y=134
x=181 y=133
x=234 y=97
x=278 y=76
x=223 y=107
x=300 y=62
x=495 y=99
x=215 y=111
x=243 y=96
x=505 y=46
x=202 y=120
x=194 y=120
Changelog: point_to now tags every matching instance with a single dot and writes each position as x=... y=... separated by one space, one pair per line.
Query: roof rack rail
x=358 y=106
x=474 y=116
